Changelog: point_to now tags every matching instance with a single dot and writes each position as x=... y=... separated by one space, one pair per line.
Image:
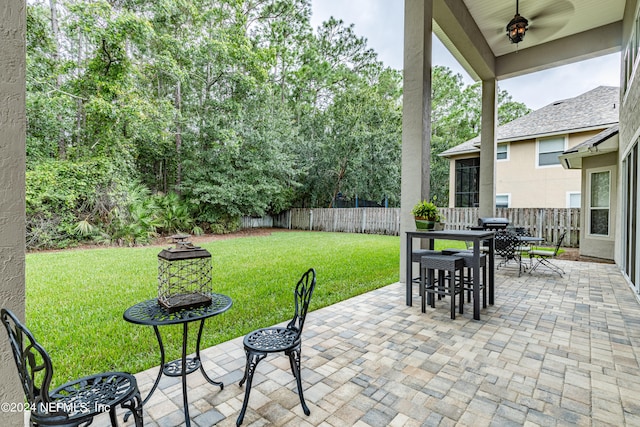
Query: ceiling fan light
x=517 y=28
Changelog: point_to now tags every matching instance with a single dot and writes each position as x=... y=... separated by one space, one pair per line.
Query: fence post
x=364 y=220
x=310 y=219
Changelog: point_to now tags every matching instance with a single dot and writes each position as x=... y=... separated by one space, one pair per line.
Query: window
x=502 y=151
x=467 y=182
x=574 y=200
x=502 y=200
x=599 y=203
x=548 y=151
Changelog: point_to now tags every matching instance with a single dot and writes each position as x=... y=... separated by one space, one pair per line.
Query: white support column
x=416 y=114
x=12 y=191
x=488 y=148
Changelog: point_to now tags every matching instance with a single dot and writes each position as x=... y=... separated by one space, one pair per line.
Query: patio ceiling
x=560 y=32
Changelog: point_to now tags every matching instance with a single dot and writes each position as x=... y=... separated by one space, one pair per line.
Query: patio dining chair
x=545 y=257
x=259 y=343
x=507 y=247
x=74 y=403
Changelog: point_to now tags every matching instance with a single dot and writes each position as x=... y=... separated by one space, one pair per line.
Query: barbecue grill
x=493 y=223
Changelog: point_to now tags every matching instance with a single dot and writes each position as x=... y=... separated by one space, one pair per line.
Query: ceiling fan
x=548 y=19
x=517 y=27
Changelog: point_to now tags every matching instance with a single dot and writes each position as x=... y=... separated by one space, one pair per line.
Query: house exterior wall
x=526 y=184
x=12 y=191
x=629 y=135
x=598 y=246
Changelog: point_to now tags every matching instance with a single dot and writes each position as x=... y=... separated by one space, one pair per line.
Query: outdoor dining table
x=151 y=313
x=478 y=237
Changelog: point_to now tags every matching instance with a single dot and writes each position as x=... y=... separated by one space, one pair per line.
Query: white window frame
x=564 y=140
x=508 y=150
x=508 y=196
x=588 y=207
x=573 y=193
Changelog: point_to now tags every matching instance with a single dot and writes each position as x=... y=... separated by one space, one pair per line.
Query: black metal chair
x=259 y=343
x=507 y=247
x=522 y=248
x=74 y=403
x=544 y=257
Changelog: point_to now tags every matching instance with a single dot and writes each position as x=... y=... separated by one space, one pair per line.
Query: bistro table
x=151 y=313
x=475 y=236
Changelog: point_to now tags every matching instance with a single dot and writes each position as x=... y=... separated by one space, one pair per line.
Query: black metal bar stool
x=450 y=264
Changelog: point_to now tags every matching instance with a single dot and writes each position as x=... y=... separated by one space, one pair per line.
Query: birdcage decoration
x=184 y=275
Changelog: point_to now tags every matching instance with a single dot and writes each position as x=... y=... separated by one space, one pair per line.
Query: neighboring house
x=529 y=173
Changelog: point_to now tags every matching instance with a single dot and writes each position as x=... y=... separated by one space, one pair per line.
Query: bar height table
x=475 y=236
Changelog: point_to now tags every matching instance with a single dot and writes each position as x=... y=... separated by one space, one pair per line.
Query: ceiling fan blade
x=555 y=11
x=542 y=32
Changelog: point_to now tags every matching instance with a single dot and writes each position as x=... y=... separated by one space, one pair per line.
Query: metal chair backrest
x=302 y=296
x=33 y=362
x=560 y=239
x=505 y=244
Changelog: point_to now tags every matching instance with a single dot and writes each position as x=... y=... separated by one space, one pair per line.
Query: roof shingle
x=595 y=109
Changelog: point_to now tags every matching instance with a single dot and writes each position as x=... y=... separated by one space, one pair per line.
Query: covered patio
x=551 y=351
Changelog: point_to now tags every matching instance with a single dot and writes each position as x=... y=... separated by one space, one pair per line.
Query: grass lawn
x=76 y=298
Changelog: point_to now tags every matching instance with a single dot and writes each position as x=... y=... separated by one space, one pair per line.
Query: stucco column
x=416 y=114
x=488 y=148
x=12 y=190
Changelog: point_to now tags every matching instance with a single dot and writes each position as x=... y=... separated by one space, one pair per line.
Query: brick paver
x=551 y=351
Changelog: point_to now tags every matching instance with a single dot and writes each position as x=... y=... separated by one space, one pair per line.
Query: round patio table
x=151 y=313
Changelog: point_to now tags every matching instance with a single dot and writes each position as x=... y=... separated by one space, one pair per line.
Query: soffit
x=560 y=31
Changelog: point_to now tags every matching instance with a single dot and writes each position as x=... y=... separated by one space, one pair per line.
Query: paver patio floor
x=551 y=351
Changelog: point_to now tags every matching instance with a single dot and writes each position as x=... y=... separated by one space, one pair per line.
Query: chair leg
x=294 y=360
x=452 y=293
x=253 y=359
x=134 y=405
x=423 y=290
x=112 y=417
x=484 y=287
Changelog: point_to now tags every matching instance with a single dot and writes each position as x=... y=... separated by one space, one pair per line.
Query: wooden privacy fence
x=547 y=223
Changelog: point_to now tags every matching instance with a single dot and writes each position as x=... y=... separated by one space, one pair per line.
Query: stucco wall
x=12 y=190
x=528 y=185
x=629 y=119
x=630 y=105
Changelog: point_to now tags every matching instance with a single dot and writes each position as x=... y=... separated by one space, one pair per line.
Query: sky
x=381 y=23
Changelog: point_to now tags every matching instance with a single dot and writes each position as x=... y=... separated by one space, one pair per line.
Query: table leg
x=162 y=356
x=155 y=384
x=408 y=275
x=476 y=279
x=204 y=374
x=491 y=270
x=185 y=399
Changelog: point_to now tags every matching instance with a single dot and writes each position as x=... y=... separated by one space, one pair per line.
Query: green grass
x=76 y=298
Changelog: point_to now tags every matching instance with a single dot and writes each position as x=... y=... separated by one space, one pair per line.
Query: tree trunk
x=178 y=105
x=62 y=149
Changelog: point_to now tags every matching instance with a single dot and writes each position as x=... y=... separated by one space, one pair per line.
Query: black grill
x=493 y=223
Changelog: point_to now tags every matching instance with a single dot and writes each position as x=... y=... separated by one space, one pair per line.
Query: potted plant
x=426 y=215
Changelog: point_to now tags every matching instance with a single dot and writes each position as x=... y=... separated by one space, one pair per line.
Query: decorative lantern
x=184 y=275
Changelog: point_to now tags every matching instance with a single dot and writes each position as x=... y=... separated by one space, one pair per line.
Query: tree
x=456 y=118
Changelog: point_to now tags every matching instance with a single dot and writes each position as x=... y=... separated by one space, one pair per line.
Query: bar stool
x=467 y=255
x=416 y=256
x=442 y=263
